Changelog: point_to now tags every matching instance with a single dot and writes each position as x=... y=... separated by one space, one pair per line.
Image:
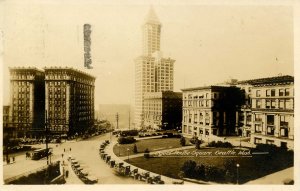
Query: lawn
x=152 y=144
x=250 y=167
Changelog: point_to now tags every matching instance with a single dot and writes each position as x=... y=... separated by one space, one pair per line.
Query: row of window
x=273 y=92
x=273 y=104
x=201 y=103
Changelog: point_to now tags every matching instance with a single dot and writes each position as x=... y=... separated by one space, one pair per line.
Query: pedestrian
x=70 y=149
x=64 y=150
x=13 y=159
x=62 y=155
x=67 y=173
x=26 y=155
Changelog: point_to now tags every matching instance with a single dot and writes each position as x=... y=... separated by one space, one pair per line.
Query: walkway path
x=167 y=180
x=157 y=152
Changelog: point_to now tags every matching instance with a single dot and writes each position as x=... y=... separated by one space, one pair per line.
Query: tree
x=135 y=149
x=197 y=143
x=182 y=141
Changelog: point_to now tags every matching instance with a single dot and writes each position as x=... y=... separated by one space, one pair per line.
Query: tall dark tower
x=87 y=45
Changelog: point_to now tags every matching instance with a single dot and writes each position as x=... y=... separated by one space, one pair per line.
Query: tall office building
x=69 y=100
x=153 y=73
x=27 y=106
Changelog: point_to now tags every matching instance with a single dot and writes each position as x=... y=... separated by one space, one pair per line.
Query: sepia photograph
x=136 y=93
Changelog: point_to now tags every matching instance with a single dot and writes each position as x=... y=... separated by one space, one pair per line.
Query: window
x=270 y=130
x=207 y=103
x=268 y=103
x=257 y=117
x=200 y=131
x=190 y=118
x=288 y=104
x=257 y=93
x=258 y=128
x=273 y=92
x=281 y=92
x=268 y=93
x=287 y=92
x=195 y=118
x=269 y=142
x=258 y=103
x=284 y=121
x=273 y=104
x=201 y=118
x=190 y=130
x=257 y=140
x=281 y=104
x=270 y=119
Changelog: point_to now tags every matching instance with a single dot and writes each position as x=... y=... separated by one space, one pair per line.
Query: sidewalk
x=72 y=178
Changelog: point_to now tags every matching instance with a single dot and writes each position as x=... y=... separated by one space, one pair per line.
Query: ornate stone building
x=69 y=100
x=27 y=105
x=210 y=110
x=163 y=110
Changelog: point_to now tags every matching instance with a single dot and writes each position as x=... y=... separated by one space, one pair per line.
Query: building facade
x=6 y=121
x=273 y=111
x=27 y=104
x=69 y=100
x=210 y=110
x=163 y=110
x=244 y=119
x=153 y=73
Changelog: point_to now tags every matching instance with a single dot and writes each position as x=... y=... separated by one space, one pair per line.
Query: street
x=86 y=152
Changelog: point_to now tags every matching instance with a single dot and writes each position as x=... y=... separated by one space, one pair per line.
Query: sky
x=211 y=43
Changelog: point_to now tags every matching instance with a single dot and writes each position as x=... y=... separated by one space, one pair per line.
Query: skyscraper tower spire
x=153 y=72
x=151 y=33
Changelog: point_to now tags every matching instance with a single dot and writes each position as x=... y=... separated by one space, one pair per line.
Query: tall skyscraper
x=153 y=73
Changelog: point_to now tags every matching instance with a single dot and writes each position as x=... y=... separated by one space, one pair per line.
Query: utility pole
x=129 y=119
x=117 y=118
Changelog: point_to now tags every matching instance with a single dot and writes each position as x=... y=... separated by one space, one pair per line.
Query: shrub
x=126 y=140
x=135 y=149
x=193 y=140
x=129 y=133
x=212 y=173
x=200 y=171
x=188 y=168
x=220 y=144
x=182 y=141
x=147 y=153
x=230 y=168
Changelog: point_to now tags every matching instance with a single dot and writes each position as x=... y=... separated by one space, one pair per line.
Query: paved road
x=86 y=152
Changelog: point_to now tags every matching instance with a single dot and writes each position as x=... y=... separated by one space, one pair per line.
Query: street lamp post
x=128 y=153
x=240 y=141
x=237 y=173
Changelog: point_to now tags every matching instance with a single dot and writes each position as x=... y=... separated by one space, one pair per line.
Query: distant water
x=109 y=111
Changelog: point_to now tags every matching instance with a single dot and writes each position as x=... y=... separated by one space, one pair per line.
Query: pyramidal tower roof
x=152 y=17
